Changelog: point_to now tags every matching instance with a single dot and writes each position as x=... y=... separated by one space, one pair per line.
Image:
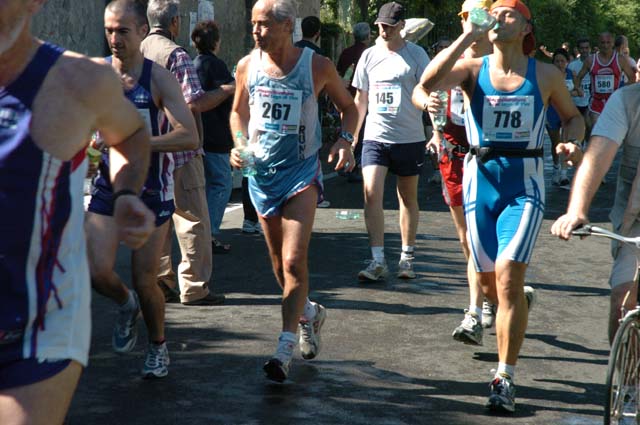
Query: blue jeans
x=217 y=173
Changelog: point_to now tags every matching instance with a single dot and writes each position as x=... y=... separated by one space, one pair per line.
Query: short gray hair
x=283 y=10
x=361 y=31
x=161 y=12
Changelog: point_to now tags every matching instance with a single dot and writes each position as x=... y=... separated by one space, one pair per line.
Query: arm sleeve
x=181 y=66
x=613 y=122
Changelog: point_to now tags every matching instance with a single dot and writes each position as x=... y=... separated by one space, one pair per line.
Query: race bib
x=457 y=106
x=604 y=83
x=386 y=98
x=507 y=118
x=278 y=110
x=569 y=84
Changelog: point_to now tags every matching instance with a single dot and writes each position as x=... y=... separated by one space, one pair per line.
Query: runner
x=481 y=313
x=276 y=107
x=393 y=136
x=506 y=94
x=582 y=100
x=50 y=102
x=605 y=70
x=154 y=91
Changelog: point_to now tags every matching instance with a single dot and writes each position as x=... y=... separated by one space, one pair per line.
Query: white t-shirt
x=613 y=123
x=581 y=101
x=389 y=79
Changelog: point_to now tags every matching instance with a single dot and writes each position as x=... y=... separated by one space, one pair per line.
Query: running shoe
x=310 y=340
x=249 y=226
x=324 y=204
x=531 y=296
x=488 y=314
x=405 y=269
x=503 y=395
x=277 y=367
x=125 y=331
x=375 y=271
x=156 y=362
x=470 y=330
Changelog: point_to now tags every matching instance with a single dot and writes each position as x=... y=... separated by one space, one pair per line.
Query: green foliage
x=555 y=21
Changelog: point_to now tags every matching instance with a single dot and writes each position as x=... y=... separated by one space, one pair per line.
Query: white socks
x=309 y=311
x=286 y=345
x=377 y=252
x=506 y=369
x=407 y=252
x=475 y=309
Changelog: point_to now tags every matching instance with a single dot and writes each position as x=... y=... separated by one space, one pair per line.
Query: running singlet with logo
x=286 y=133
x=605 y=79
x=45 y=287
x=157 y=193
x=504 y=195
x=160 y=178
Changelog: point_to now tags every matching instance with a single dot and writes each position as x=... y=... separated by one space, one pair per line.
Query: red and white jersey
x=605 y=78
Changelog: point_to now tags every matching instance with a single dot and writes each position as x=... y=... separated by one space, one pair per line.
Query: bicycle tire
x=623 y=374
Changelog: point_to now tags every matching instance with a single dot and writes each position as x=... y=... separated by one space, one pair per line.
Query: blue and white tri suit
x=285 y=129
x=45 y=288
x=157 y=193
x=504 y=195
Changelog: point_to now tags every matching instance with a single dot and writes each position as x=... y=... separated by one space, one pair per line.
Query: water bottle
x=247 y=155
x=481 y=18
x=347 y=215
x=440 y=117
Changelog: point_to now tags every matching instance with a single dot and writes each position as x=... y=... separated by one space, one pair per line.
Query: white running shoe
x=156 y=363
x=277 y=367
x=405 y=269
x=488 y=314
x=470 y=330
x=310 y=341
x=125 y=331
x=375 y=271
x=503 y=395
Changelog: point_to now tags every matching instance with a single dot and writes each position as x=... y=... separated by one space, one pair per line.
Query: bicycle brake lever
x=582 y=230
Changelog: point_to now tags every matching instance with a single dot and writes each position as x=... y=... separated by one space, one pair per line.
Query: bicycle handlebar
x=590 y=230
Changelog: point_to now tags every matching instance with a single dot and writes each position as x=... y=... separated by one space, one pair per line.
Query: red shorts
x=451 y=171
x=597 y=105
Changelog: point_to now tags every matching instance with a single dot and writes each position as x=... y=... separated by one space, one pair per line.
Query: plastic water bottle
x=481 y=18
x=247 y=155
x=347 y=215
x=440 y=117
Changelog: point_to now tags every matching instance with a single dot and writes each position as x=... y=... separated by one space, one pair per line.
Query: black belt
x=460 y=149
x=486 y=153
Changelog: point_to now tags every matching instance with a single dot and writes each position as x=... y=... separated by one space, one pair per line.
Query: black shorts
x=402 y=159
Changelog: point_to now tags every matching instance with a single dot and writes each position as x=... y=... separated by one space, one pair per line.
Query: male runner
x=605 y=69
x=394 y=138
x=50 y=102
x=276 y=106
x=506 y=94
x=582 y=101
x=156 y=94
x=480 y=313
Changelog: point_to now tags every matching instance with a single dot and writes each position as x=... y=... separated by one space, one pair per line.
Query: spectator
x=218 y=141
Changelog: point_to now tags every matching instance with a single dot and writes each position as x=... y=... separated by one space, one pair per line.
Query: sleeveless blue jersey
x=513 y=119
x=160 y=177
x=44 y=274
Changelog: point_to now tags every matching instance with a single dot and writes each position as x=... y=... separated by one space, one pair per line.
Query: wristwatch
x=346 y=136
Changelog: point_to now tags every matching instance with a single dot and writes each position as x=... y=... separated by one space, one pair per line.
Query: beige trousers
x=193 y=230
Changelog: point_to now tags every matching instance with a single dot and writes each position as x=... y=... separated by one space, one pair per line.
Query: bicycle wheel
x=623 y=381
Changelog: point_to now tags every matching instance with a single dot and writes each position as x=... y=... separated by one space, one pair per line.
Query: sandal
x=219 y=247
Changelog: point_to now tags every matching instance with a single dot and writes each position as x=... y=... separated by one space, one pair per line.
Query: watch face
x=347 y=136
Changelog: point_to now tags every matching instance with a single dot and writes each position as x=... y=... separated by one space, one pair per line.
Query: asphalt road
x=388 y=356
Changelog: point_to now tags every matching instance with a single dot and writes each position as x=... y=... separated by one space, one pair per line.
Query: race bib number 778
x=507 y=118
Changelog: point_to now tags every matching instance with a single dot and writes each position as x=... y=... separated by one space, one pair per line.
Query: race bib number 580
x=277 y=110
x=507 y=118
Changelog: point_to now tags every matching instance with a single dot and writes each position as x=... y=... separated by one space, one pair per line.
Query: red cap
x=529 y=42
